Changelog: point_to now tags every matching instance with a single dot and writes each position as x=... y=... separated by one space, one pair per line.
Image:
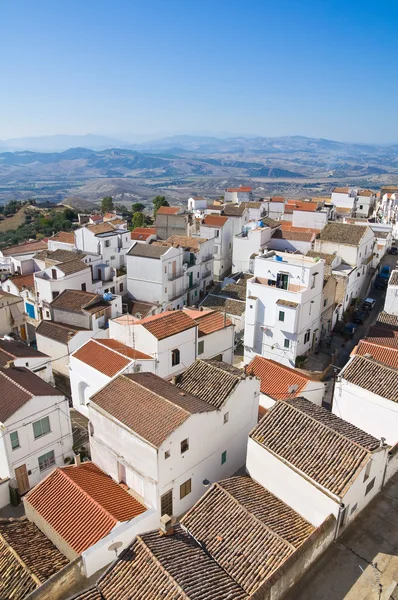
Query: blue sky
x=322 y=68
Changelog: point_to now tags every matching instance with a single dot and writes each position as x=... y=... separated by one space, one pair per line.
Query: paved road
x=345 y=571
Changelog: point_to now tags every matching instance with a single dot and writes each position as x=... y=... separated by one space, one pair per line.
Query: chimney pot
x=78 y=461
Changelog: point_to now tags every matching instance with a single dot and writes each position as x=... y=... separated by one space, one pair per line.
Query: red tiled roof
x=276 y=378
x=82 y=504
x=25 y=248
x=66 y=237
x=123 y=349
x=101 y=358
x=137 y=235
x=23 y=281
x=96 y=217
x=167 y=323
x=291 y=234
x=146 y=230
x=302 y=205
x=168 y=210
x=383 y=354
x=240 y=189
x=208 y=321
x=215 y=221
x=277 y=199
x=382 y=336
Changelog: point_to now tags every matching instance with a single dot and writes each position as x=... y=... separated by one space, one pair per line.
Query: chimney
x=9 y=365
x=174 y=380
x=166 y=525
x=78 y=461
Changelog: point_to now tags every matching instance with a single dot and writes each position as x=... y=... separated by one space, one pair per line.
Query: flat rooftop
x=291 y=259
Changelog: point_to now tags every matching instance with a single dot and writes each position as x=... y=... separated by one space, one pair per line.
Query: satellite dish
x=115 y=547
x=292 y=389
x=206 y=482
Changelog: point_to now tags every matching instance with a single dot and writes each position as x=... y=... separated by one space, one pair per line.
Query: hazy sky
x=322 y=68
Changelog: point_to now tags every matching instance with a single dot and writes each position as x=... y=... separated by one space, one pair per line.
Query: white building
x=19 y=259
x=279 y=382
x=98 y=361
x=316 y=462
x=238 y=214
x=36 y=428
x=173 y=441
x=251 y=241
x=391 y=301
x=105 y=239
x=63 y=240
x=307 y=214
x=275 y=207
x=345 y=200
x=366 y=200
x=292 y=239
x=12 y=316
x=197 y=205
x=366 y=395
x=239 y=194
x=215 y=336
x=21 y=355
x=283 y=307
x=220 y=229
x=143 y=235
x=24 y=287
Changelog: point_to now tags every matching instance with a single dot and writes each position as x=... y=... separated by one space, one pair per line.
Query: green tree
x=157 y=202
x=107 y=204
x=138 y=207
x=138 y=220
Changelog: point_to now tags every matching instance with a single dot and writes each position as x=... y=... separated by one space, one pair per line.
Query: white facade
x=238 y=195
x=313 y=391
x=12 y=316
x=53 y=281
x=57 y=441
x=150 y=474
x=365 y=203
x=111 y=245
x=391 y=301
x=251 y=241
x=223 y=236
x=275 y=209
x=283 y=307
x=316 y=219
x=344 y=198
x=39 y=365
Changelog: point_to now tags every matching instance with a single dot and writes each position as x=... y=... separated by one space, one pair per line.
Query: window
x=360 y=206
x=120 y=287
x=107 y=243
x=14 y=440
x=224 y=457
x=41 y=427
x=46 y=461
x=184 y=445
x=325 y=302
x=307 y=336
x=367 y=470
x=54 y=273
x=217 y=233
x=185 y=489
x=281 y=315
x=47 y=314
x=370 y=486
x=354 y=508
x=167 y=454
x=198 y=275
x=286 y=343
x=201 y=347
x=226 y=417
x=313 y=281
x=165 y=290
x=55 y=294
x=175 y=357
x=83 y=286
x=165 y=268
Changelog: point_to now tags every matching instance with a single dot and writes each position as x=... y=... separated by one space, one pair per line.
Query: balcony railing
x=174 y=276
x=207 y=258
x=193 y=286
x=206 y=273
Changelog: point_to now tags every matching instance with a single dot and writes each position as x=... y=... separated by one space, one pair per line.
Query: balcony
x=174 y=276
x=207 y=258
x=175 y=296
x=206 y=274
x=272 y=283
x=193 y=286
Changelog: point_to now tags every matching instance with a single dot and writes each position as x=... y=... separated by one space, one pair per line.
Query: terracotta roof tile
x=382 y=354
x=149 y=405
x=153 y=250
x=234 y=210
x=17 y=386
x=278 y=199
x=10 y=349
x=72 y=266
x=140 y=235
x=101 y=228
x=225 y=304
x=192 y=244
x=276 y=379
x=208 y=321
x=287 y=303
x=66 y=237
x=168 y=210
x=290 y=234
x=82 y=504
x=341 y=190
x=25 y=248
x=167 y=323
x=343 y=233
x=383 y=336
x=59 y=332
x=241 y=188
x=302 y=205
x=108 y=356
x=23 y=282
x=328 y=258
x=212 y=381
x=91 y=594
x=324 y=447
x=170 y=567
x=123 y=349
x=214 y=221
x=78 y=301
x=247 y=530
x=373 y=376
x=386 y=320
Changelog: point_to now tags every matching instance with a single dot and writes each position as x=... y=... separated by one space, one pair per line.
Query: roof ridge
x=21 y=561
x=375 y=362
x=99 y=341
x=15 y=383
x=206 y=362
x=5 y=352
x=161 y=567
x=341 y=435
x=284 y=367
x=159 y=396
x=76 y=485
x=236 y=501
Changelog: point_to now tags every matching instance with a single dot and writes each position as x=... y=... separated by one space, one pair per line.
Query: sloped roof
x=324 y=447
x=141 y=235
x=17 y=386
x=59 y=332
x=241 y=188
x=59 y=255
x=302 y=205
x=192 y=244
x=212 y=381
x=25 y=248
x=78 y=301
x=208 y=321
x=247 y=530
x=328 y=258
x=101 y=228
x=27 y=558
x=168 y=323
x=148 y=250
x=214 y=220
x=72 y=266
x=384 y=319
x=372 y=376
x=170 y=567
x=10 y=349
x=234 y=210
x=107 y=355
x=292 y=234
x=82 y=504
x=66 y=237
x=225 y=304
x=384 y=336
x=276 y=379
x=168 y=210
x=382 y=354
x=23 y=281
x=343 y=233
x=149 y=405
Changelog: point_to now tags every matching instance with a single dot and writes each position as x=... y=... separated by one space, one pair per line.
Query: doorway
x=166 y=504
x=21 y=475
x=23 y=332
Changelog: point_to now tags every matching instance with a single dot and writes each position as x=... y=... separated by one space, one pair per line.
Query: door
x=21 y=475
x=100 y=274
x=174 y=268
x=23 y=332
x=166 y=504
x=190 y=280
